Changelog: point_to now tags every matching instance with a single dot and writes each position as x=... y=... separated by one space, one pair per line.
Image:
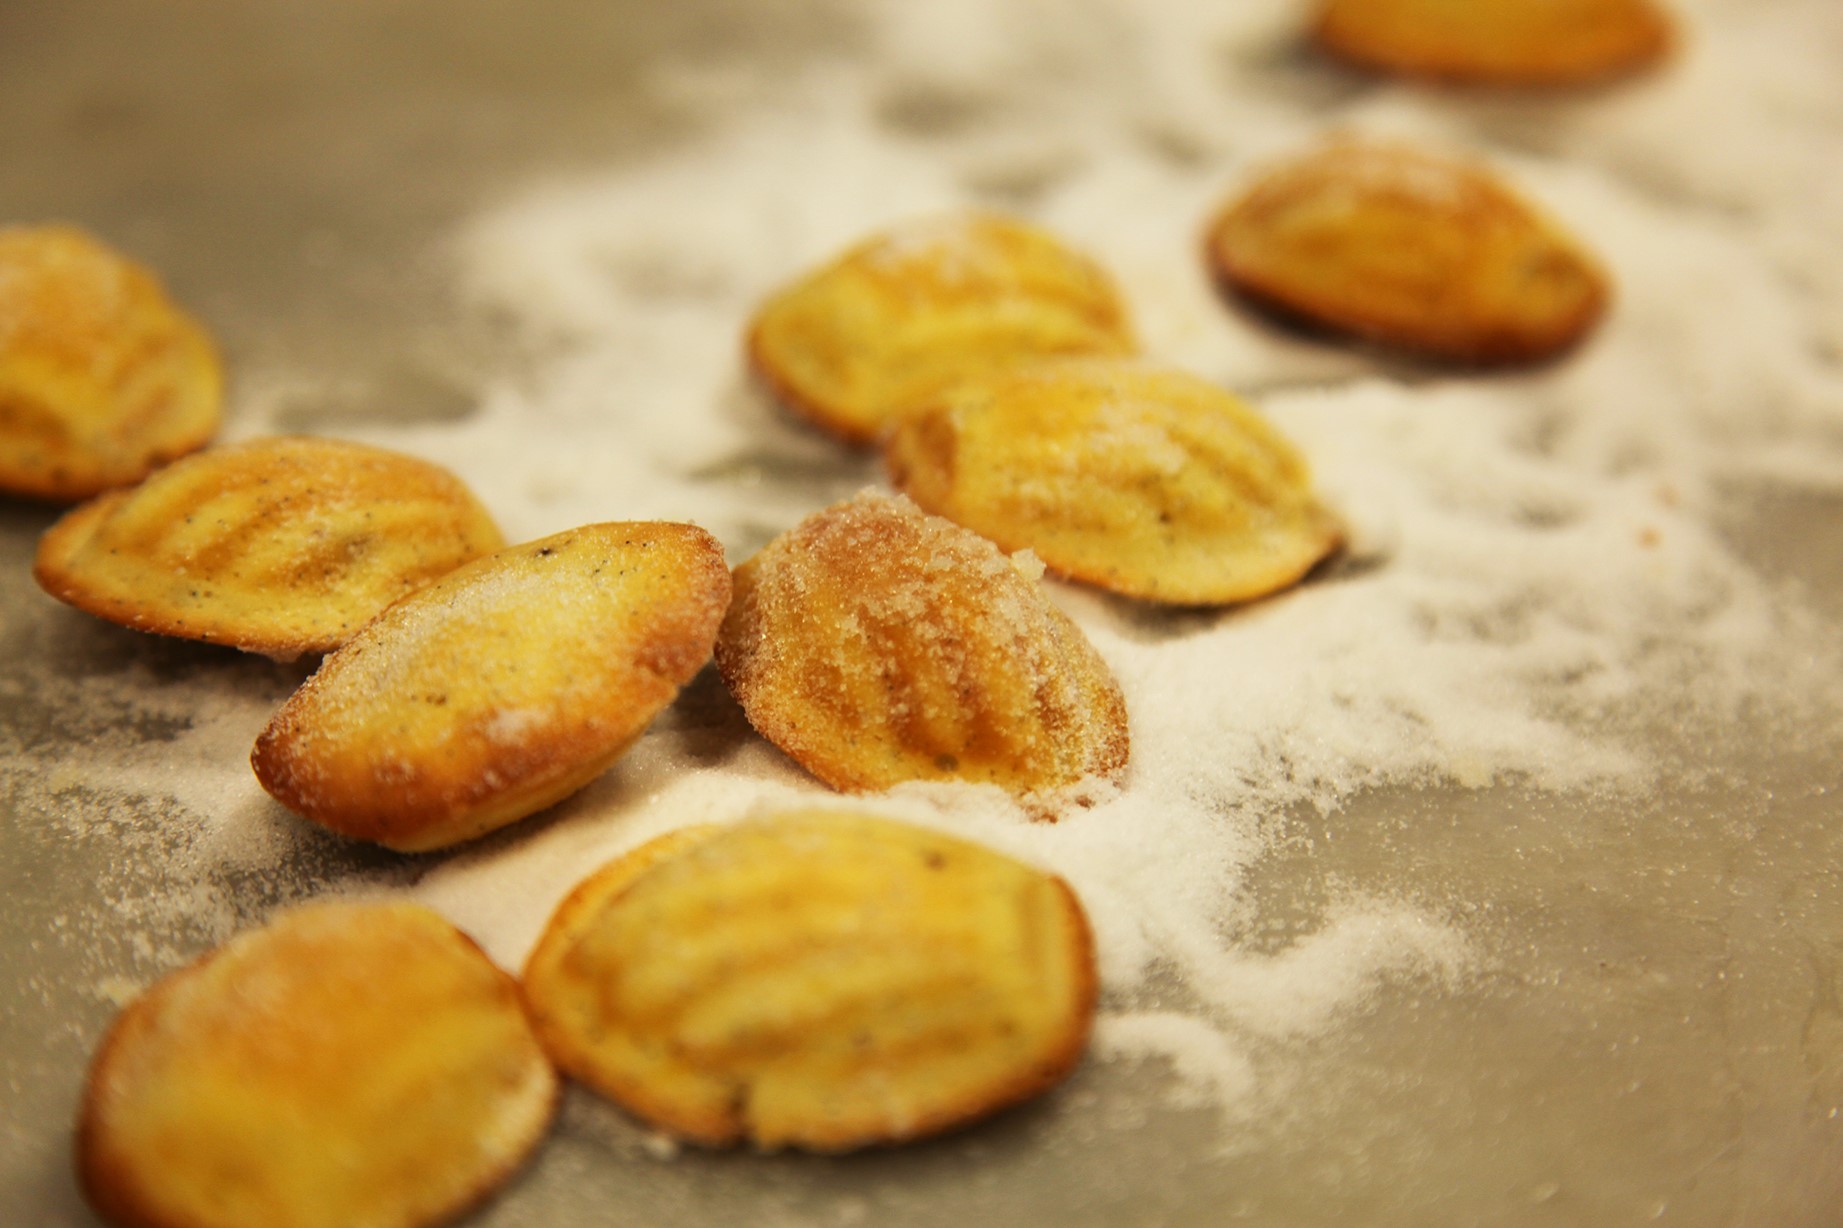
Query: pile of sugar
x=1521 y=541
x=1534 y=554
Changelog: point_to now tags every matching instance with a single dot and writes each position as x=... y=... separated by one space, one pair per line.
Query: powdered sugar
x=1518 y=542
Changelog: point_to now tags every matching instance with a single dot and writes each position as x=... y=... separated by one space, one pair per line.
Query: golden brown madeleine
x=875 y=644
x=1136 y=478
x=499 y=689
x=346 y=1066
x=1409 y=249
x=1497 y=42
x=816 y=980
x=102 y=377
x=907 y=313
x=277 y=546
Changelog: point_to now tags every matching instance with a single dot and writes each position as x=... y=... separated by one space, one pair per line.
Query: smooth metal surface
x=1662 y=1034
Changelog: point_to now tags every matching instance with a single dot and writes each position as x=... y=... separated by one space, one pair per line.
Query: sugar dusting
x=1534 y=561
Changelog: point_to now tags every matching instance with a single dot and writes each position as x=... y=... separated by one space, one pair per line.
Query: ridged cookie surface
x=102 y=377
x=1411 y=249
x=815 y=980
x=499 y=689
x=1497 y=42
x=346 y=1066
x=278 y=546
x=1136 y=478
x=909 y=312
x=876 y=644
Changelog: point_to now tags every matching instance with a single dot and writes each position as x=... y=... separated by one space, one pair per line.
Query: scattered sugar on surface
x=1517 y=542
x=1534 y=557
x=1209 y=1068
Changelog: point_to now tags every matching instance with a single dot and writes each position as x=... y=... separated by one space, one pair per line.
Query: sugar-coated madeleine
x=816 y=980
x=1135 y=478
x=876 y=644
x=1409 y=249
x=345 y=1066
x=102 y=377
x=906 y=313
x=499 y=689
x=277 y=546
x=1497 y=42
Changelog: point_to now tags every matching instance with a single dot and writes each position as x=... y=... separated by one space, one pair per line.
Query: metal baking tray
x=1654 y=1032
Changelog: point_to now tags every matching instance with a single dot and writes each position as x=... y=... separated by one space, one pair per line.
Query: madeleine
x=907 y=313
x=875 y=644
x=816 y=980
x=102 y=377
x=1497 y=42
x=501 y=688
x=1411 y=250
x=1134 y=478
x=345 y=1066
x=276 y=546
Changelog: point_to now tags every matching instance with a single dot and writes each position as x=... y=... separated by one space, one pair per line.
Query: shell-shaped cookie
x=102 y=376
x=1410 y=249
x=1497 y=42
x=816 y=980
x=346 y=1066
x=279 y=546
x=906 y=313
x=1135 y=478
x=875 y=644
x=499 y=689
